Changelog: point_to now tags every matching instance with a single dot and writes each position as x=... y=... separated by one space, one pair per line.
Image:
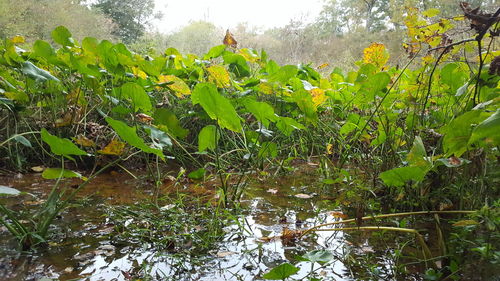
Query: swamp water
x=87 y=246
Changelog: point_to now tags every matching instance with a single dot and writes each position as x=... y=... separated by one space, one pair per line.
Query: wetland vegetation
x=228 y=165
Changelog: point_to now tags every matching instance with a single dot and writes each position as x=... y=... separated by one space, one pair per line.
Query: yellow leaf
x=431 y=12
x=84 y=141
x=229 y=40
x=465 y=223
x=219 y=75
x=323 y=66
x=266 y=88
x=18 y=39
x=178 y=86
x=139 y=73
x=248 y=55
x=376 y=54
x=65 y=121
x=318 y=96
x=115 y=147
x=329 y=149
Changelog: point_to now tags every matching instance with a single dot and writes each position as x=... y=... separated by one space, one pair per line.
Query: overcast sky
x=228 y=13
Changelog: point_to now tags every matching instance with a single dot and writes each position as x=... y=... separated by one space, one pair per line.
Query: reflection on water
x=85 y=251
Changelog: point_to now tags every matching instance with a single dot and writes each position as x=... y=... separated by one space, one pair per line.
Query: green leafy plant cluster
x=424 y=136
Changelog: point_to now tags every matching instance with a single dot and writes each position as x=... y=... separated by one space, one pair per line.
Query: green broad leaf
x=281 y=272
x=215 y=52
x=159 y=138
x=36 y=73
x=60 y=146
x=400 y=176
x=216 y=106
x=89 y=45
x=284 y=74
x=138 y=97
x=304 y=101
x=237 y=65
x=19 y=96
x=208 y=138
x=43 y=49
x=319 y=256
x=55 y=173
x=197 y=174
x=268 y=149
x=83 y=68
x=263 y=112
x=458 y=132
x=165 y=119
x=62 y=36
x=287 y=125
x=376 y=83
x=22 y=140
x=5 y=190
x=488 y=130
x=417 y=154
x=454 y=75
x=129 y=135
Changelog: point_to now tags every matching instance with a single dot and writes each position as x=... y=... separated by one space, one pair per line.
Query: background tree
x=130 y=16
x=196 y=38
x=35 y=19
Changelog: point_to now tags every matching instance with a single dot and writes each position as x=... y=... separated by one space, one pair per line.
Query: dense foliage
x=423 y=136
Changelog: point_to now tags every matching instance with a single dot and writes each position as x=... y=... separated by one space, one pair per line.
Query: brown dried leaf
x=144 y=118
x=454 y=161
x=229 y=40
x=339 y=215
x=290 y=235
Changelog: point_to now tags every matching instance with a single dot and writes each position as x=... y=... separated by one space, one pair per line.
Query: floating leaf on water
x=38 y=169
x=319 y=256
x=9 y=190
x=303 y=196
x=272 y=190
x=289 y=235
x=281 y=272
x=225 y=254
x=339 y=215
x=55 y=173
x=267 y=239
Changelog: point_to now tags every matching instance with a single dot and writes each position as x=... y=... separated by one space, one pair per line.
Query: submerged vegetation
x=394 y=147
